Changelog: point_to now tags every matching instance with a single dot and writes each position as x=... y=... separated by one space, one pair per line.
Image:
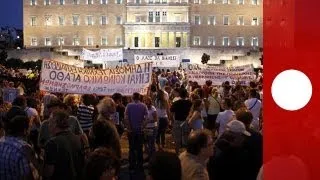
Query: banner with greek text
x=159 y=61
x=219 y=74
x=64 y=78
x=103 y=55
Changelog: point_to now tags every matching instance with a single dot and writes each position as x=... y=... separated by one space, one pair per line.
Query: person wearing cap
x=254 y=105
x=64 y=157
x=230 y=160
x=253 y=142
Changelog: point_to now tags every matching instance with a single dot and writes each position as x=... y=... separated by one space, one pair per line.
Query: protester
x=180 y=111
x=254 y=105
x=165 y=165
x=231 y=154
x=151 y=125
x=70 y=101
x=193 y=160
x=120 y=109
x=194 y=119
x=17 y=158
x=163 y=113
x=85 y=113
x=224 y=117
x=135 y=115
x=102 y=164
x=64 y=152
x=213 y=105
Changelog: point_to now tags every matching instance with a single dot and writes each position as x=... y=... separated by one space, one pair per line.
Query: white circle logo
x=291 y=90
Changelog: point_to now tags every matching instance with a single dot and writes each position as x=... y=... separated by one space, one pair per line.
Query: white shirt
x=214 y=106
x=254 y=108
x=31 y=112
x=150 y=117
x=223 y=118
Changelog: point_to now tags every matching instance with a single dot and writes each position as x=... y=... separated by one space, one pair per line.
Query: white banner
x=102 y=55
x=159 y=61
x=218 y=75
x=63 y=78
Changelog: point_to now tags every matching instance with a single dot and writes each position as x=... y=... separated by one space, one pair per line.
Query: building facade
x=143 y=24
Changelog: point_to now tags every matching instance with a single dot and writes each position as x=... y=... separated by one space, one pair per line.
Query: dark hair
x=253 y=93
x=105 y=135
x=17 y=125
x=228 y=102
x=165 y=165
x=117 y=97
x=99 y=161
x=208 y=82
x=32 y=102
x=200 y=92
x=244 y=116
x=61 y=118
x=88 y=99
x=136 y=96
x=161 y=101
x=197 y=140
x=19 y=101
x=183 y=93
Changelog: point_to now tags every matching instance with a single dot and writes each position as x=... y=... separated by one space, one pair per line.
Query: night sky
x=11 y=13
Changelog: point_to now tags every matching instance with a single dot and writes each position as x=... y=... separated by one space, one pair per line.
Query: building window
x=225 y=41
x=150 y=1
x=157 y=16
x=104 y=41
x=136 y=41
x=90 y=20
x=211 y=1
x=103 y=20
x=104 y=2
x=76 y=41
x=157 y=1
x=47 y=41
x=119 y=20
x=137 y=1
x=61 y=2
x=240 y=41
x=150 y=17
x=226 y=20
x=196 y=41
x=60 y=41
x=118 y=41
x=211 y=20
x=164 y=1
x=226 y=2
x=118 y=1
x=156 y=41
x=90 y=2
x=255 y=2
x=34 y=42
x=33 y=21
x=197 y=20
x=240 y=21
x=75 y=20
x=254 y=42
x=47 y=20
x=164 y=16
x=33 y=2
x=61 y=20
x=90 y=41
x=255 y=21
x=211 y=41
x=47 y=2
x=241 y=2
x=76 y=2
x=197 y=1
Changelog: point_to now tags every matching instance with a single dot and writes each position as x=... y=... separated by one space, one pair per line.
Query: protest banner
x=219 y=74
x=63 y=78
x=159 y=61
x=9 y=94
x=101 y=56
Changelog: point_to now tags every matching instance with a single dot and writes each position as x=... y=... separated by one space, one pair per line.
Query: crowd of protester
x=216 y=132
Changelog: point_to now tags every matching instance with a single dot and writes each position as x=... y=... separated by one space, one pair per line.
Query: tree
x=13 y=63
x=3 y=57
x=205 y=58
